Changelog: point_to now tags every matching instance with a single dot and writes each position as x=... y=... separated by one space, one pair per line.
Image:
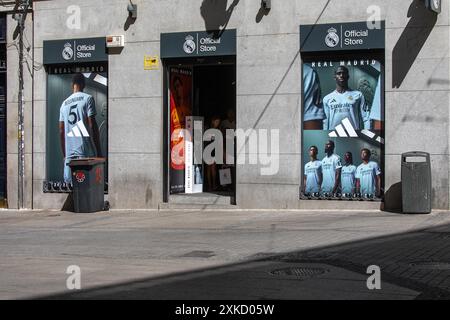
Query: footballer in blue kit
x=312 y=178
x=79 y=134
x=313 y=114
x=331 y=170
x=344 y=103
x=348 y=180
x=368 y=176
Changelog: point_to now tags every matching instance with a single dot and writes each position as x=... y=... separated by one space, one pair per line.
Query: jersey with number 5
x=74 y=113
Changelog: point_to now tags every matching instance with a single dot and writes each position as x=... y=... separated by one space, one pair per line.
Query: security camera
x=132 y=10
x=266 y=4
x=434 y=5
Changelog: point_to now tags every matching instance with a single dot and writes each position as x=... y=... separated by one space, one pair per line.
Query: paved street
x=225 y=255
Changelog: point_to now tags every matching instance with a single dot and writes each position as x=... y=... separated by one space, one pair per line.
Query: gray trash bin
x=88 y=184
x=416 y=182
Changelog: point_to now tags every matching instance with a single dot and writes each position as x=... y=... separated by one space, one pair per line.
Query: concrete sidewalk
x=225 y=255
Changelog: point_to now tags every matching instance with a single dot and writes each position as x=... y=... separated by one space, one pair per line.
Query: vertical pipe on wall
x=22 y=10
x=21 y=143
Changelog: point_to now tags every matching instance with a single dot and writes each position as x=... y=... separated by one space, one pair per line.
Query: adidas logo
x=344 y=130
x=373 y=136
x=78 y=130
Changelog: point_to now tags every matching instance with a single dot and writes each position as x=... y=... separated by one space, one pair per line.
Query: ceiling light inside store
x=101 y=79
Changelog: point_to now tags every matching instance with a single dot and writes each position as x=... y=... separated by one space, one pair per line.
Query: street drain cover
x=431 y=265
x=199 y=254
x=311 y=256
x=299 y=272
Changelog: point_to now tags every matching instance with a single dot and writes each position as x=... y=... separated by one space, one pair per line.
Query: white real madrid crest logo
x=67 y=52
x=332 y=38
x=189 y=45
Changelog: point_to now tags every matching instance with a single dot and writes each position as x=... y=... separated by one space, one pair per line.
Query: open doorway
x=200 y=91
x=215 y=102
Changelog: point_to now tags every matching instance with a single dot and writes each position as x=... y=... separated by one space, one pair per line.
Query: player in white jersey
x=348 y=182
x=312 y=178
x=331 y=170
x=78 y=129
x=313 y=113
x=368 y=176
x=344 y=103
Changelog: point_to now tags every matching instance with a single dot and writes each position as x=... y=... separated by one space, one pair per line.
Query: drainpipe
x=20 y=16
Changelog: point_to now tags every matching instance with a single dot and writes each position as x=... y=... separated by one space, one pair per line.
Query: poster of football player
x=343 y=137
x=180 y=88
x=77 y=120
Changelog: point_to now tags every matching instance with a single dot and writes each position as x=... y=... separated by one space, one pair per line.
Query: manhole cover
x=444 y=235
x=299 y=272
x=311 y=256
x=431 y=265
x=440 y=234
x=199 y=254
x=263 y=255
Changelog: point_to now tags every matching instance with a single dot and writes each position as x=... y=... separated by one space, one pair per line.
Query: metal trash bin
x=88 y=181
x=416 y=182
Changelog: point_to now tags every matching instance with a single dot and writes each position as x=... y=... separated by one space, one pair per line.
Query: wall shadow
x=261 y=13
x=412 y=40
x=393 y=199
x=130 y=21
x=69 y=204
x=216 y=15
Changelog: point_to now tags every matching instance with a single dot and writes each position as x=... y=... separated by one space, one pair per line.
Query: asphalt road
x=231 y=255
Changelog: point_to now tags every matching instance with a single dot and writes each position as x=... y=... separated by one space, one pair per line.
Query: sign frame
x=349 y=36
x=198 y=44
x=70 y=51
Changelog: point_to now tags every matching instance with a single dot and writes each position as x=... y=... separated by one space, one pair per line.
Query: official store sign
x=197 y=44
x=75 y=51
x=341 y=36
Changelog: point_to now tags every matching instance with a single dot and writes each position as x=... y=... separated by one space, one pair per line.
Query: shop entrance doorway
x=201 y=95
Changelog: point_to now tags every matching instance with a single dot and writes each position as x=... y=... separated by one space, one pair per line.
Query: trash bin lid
x=415 y=154
x=86 y=161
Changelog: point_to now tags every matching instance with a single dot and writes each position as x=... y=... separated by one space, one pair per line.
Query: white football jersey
x=329 y=166
x=338 y=106
x=74 y=112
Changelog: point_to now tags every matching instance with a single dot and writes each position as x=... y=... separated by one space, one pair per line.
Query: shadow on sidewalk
x=414 y=265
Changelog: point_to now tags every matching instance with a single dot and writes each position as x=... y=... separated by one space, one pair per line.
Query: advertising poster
x=81 y=137
x=180 y=93
x=343 y=135
x=193 y=170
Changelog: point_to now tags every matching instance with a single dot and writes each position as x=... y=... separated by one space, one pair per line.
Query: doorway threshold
x=201 y=201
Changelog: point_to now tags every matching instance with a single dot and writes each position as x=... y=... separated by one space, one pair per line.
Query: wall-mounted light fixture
x=266 y=4
x=132 y=10
x=434 y=5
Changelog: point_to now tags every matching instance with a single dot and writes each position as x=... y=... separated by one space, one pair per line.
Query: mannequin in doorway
x=229 y=123
x=211 y=169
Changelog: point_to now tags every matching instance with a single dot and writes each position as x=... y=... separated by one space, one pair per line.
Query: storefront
x=62 y=60
x=285 y=81
x=343 y=111
x=200 y=96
